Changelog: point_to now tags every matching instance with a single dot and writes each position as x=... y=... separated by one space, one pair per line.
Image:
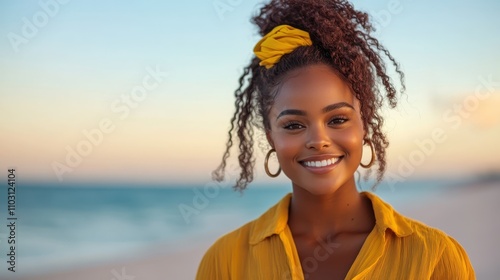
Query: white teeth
x=321 y=163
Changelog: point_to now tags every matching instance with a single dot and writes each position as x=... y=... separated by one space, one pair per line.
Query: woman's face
x=316 y=129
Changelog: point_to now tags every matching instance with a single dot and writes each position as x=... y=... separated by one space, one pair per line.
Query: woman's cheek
x=351 y=140
x=287 y=146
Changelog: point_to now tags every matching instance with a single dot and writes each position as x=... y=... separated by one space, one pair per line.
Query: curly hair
x=342 y=39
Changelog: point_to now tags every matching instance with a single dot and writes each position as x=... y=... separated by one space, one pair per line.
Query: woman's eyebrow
x=327 y=109
x=291 y=112
x=336 y=106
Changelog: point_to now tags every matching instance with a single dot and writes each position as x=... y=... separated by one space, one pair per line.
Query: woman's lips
x=321 y=166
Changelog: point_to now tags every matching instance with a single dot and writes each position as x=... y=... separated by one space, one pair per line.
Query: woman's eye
x=293 y=126
x=338 y=120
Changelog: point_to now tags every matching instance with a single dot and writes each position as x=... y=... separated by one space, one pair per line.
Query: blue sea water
x=74 y=225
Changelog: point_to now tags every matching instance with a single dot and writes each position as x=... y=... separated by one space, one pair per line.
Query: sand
x=469 y=214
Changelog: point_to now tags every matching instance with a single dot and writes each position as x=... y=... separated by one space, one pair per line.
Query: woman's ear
x=366 y=134
x=269 y=138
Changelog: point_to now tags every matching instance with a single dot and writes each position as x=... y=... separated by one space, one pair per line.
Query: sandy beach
x=466 y=213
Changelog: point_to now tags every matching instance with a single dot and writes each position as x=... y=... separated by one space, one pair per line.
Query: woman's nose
x=317 y=138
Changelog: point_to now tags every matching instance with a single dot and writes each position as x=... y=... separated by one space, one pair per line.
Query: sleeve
x=214 y=264
x=453 y=263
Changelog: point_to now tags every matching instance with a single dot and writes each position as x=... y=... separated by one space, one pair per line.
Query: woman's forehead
x=313 y=87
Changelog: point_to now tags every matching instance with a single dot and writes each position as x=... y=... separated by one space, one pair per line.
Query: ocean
x=68 y=226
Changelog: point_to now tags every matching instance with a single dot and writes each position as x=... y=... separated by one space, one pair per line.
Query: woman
x=313 y=88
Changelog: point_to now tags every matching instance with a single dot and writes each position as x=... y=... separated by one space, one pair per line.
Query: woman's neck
x=317 y=216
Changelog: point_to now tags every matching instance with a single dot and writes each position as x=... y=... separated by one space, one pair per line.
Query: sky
x=142 y=91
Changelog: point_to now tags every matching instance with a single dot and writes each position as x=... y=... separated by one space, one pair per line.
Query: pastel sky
x=71 y=68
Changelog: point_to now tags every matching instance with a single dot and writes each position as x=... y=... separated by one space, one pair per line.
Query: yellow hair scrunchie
x=281 y=40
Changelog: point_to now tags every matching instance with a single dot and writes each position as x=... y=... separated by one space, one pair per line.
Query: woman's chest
x=330 y=258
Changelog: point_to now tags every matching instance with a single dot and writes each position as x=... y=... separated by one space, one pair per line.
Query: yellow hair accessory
x=281 y=40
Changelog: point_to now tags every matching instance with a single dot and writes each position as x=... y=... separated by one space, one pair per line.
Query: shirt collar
x=388 y=218
x=274 y=220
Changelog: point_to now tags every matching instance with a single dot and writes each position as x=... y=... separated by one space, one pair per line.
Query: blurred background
x=113 y=115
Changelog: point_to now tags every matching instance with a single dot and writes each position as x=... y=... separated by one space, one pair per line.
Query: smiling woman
x=325 y=127
x=314 y=90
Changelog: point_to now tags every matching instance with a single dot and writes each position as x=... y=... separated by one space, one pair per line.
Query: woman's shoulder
x=446 y=255
x=217 y=261
x=432 y=236
x=228 y=253
x=451 y=259
x=417 y=233
x=426 y=232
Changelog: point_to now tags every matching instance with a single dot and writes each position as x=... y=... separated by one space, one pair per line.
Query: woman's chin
x=323 y=186
x=319 y=189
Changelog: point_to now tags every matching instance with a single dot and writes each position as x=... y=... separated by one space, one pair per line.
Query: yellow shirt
x=396 y=248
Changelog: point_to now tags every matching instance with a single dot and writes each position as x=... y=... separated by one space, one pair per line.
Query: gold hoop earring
x=372 y=160
x=266 y=163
